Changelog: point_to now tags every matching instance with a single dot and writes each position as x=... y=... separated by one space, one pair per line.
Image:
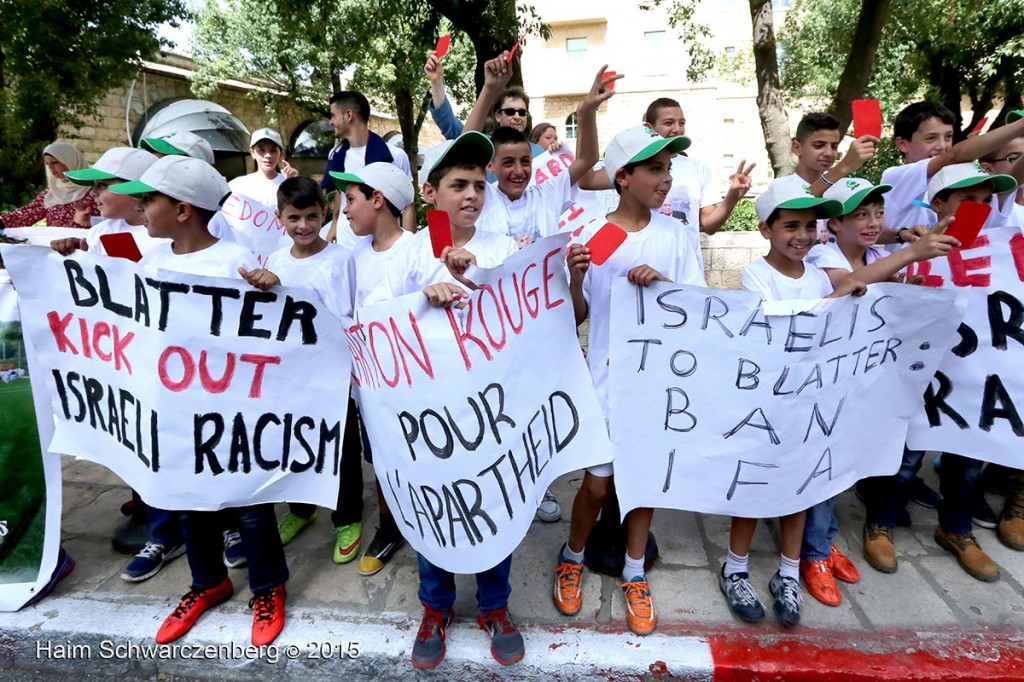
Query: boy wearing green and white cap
x=267 y=150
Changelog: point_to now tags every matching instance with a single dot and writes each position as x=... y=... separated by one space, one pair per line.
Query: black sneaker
x=234 y=554
x=381 y=549
x=788 y=599
x=983 y=516
x=429 y=649
x=922 y=494
x=741 y=596
x=507 y=644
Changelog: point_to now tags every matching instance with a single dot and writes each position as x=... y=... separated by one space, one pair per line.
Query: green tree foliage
x=57 y=59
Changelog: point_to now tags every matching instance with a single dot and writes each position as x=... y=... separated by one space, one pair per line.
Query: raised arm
x=497 y=74
x=586 y=116
x=974 y=148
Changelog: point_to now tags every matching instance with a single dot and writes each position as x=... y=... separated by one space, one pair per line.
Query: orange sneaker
x=820 y=582
x=842 y=568
x=194 y=604
x=640 y=614
x=568 y=587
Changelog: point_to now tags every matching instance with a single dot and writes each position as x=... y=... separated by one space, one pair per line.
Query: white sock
x=735 y=563
x=633 y=568
x=789 y=568
x=569 y=555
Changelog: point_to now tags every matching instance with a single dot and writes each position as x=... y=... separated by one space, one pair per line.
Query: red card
x=121 y=245
x=604 y=243
x=512 y=52
x=440 y=227
x=981 y=124
x=609 y=74
x=867 y=117
x=967 y=222
x=442 y=45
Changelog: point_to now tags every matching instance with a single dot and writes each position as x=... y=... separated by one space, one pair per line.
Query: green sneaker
x=290 y=526
x=346 y=546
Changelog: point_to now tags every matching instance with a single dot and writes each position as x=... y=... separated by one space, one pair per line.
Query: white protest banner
x=252 y=224
x=200 y=393
x=718 y=408
x=547 y=165
x=473 y=412
x=970 y=407
x=30 y=482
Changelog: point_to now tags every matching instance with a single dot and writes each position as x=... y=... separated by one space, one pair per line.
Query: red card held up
x=867 y=117
x=442 y=45
x=121 y=245
x=981 y=124
x=967 y=223
x=512 y=52
x=440 y=227
x=609 y=74
x=604 y=243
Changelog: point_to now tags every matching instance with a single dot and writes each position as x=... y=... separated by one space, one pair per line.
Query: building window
x=779 y=4
x=730 y=50
x=654 y=38
x=728 y=164
x=576 y=48
x=570 y=126
x=729 y=129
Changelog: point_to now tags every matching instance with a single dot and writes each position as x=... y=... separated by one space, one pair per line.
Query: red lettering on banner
x=423 y=360
x=246 y=211
x=548 y=274
x=59 y=325
x=83 y=329
x=959 y=267
x=530 y=295
x=359 y=362
x=90 y=339
x=516 y=329
x=261 y=361
x=539 y=177
x=461 y=336
x=1017 y=251
x=574 y=212
x=554 y=168
x=497 y=344
x=100 y=330
x=924 y=269
x=376 y=325
x=211 y=385
x=188 y=369
x=230 y=205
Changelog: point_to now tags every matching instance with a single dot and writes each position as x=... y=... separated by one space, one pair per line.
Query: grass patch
x=22 y=485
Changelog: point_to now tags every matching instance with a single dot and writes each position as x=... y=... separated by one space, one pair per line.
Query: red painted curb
x=889 y=656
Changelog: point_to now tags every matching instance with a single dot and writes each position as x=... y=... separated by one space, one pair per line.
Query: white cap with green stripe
x=637 y=144
x=851 y=192
x=964 y=175
x=117 y=163
x=783 y=193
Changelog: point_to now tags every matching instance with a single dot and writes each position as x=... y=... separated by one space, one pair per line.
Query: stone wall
x=725 y=254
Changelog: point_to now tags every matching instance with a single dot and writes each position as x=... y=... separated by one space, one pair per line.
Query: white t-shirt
x=222 y=259
x=909 y=182
x=1010 y=213
x=257 y=187
x=761 y=277
x=138 y=232
x=532 y=216
x=371 y=265
x=415 y=268
x=661 y=245
x=330 y=273
x=355 y=159
x=827 y=256
x=692 y=190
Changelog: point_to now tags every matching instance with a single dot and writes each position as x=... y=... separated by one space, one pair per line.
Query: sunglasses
x=1009 y=158
x=512 y=111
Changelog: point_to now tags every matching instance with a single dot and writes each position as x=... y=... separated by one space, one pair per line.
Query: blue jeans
x=164 y=526
x=958 y=483
x=886 y=496
x=820 y=530
x=437 y=586
x=204 y=546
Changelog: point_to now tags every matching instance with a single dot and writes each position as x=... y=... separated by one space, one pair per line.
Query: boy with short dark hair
x=267 y=150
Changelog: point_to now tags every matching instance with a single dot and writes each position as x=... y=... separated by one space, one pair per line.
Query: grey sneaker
x=428 y=650
x=548 y=510
x=234 y=555
x=741 y=596
x=507 y=644
x=788 y=599
x=149 y=561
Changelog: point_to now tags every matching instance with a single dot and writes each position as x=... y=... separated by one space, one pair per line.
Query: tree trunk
x=1012 y=100
x=859 y=62
x=490 y=37
x=770 y=108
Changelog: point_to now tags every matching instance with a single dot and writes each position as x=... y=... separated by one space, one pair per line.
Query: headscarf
x=60 y=192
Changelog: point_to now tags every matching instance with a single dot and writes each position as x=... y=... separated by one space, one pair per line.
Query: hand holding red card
x=968 y=221
x=604 y=243
x=867 y=117
x=442 y=45
x=512 y=52
x=121 y=245
x=440 y=227
x=609 y=74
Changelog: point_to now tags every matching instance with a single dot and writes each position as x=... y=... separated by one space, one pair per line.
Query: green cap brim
x=825 y=208
x=160 y=146
x=330 y=196
x=136 y=188
x=854 y=202
x=87 y=176
x=342 y=180
x=1000 y=183
x=673 y=144
x=1014 y=115
x=472 y=147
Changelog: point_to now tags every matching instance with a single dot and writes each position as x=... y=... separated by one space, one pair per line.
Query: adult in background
x=62 y=203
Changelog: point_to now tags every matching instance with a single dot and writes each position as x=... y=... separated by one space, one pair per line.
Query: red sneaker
x=842 y=568
x=820 y=582
x=193 y=605
x=267 y=615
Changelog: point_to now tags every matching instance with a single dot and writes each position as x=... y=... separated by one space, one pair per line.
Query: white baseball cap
x=182 y=178
x=387 y=178
x=179 y=143
x=472 y=147
x=962 y=175
x=637 y=144
x=783 y=193
x=851 y=192
x=118 y=163
x=265 y=134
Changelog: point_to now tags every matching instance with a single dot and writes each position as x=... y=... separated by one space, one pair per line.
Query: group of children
x=168 y=203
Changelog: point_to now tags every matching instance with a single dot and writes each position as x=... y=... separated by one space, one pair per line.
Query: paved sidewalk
x=930 y=608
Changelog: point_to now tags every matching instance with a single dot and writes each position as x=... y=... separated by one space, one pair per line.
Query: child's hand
x=288 y=171
x=68 y=245
x=260 y=278
x=599 y=90
x=860 y=152
x=934 y=242
x=578 y=261
x=82 y=213
x=433 y=69
x=850 y=287
x=444 y=294
x=457 y=259
x=740 y=180
x=497 y=72
x=643 y=275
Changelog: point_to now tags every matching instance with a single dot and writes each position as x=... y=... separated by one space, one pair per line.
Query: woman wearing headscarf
x=62 y=203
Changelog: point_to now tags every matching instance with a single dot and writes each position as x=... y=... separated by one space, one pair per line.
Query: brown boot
x=966 y=550
x=1011 y=522
x=878 y=548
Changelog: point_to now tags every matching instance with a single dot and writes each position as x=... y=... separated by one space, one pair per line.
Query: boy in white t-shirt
x=179 y=196
x=375 y=198
x=788 y=213
x=267 y=150
x=638 y=160
x=120 y=213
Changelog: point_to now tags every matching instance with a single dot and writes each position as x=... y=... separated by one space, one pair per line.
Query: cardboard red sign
x=121 y=245
x=440 y=227
x=604 y=243
x=442 y=45
x=967 y=223
x=867 y=117
x=981 y=124
x=609 y=74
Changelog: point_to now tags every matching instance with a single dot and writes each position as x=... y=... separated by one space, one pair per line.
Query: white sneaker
x=548 y=510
